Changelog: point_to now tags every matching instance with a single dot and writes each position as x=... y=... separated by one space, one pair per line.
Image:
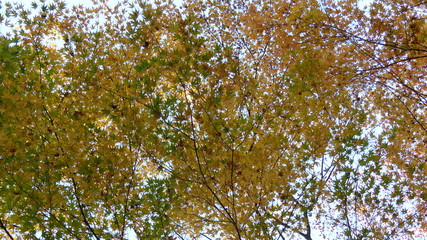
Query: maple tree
x=214 y=119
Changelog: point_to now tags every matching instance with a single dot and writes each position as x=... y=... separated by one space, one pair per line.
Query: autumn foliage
x=214 y=119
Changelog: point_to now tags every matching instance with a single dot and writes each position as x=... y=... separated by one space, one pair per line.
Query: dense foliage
x=237 y=119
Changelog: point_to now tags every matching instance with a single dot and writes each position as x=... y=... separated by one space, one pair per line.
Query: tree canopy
x=236 y=119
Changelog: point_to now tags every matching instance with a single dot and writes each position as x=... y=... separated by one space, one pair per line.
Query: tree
x=216 y=119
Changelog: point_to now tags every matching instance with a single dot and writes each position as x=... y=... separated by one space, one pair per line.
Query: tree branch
x=86 y=222
x=2 y=226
